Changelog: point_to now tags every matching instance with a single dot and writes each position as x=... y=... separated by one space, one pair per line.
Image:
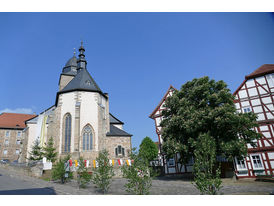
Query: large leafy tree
x=204 y=106
x=148 y=149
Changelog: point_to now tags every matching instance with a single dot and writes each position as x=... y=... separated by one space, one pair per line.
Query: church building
x=79 y=121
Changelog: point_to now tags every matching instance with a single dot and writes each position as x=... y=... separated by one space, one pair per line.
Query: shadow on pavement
x=33 y=191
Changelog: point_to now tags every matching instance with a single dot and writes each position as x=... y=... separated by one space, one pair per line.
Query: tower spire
x=81 y=62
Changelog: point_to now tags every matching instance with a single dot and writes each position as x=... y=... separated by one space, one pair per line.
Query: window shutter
x=123 y=151
x=116 y=151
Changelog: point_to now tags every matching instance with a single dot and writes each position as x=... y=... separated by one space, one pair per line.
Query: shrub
x=59 y=170
x=103 y=173
x=83 y=176
x=138 y=175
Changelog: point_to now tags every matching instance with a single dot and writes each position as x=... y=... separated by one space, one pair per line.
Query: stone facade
x=10 y=143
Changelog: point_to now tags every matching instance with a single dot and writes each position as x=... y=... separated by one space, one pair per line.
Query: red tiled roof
x=14 y=120
x=264 y=69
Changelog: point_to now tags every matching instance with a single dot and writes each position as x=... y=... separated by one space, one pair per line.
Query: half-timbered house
x=255 y=94
x=171 y=166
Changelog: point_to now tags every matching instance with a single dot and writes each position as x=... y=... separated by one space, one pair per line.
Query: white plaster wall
x=271 y=155
x=261 y=80
x=255 y=102
x=31 y=138
x=237 y=106
x=68 y=106
x=245 y=103
x=260 y=117
x=89 y=113
x=272 y=164
x=269 y=115
x=258 y=109
x=266 y=100
x=264 y=128
x=266 y=134
x=270 y=107
x=252 y=92
x=250 y=83
x=270 y=79
x=242 y=94
x=262 y=91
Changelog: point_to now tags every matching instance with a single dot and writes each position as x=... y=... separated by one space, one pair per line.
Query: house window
x=247 y=109
x=240 y=164
x=7 y=133
x=87 y=138
x=19 y=134
x=256 y=162
x=17 y=151
x=6 y=142
x=5 y=152
x=171 y=162
x=67 y=132
x=119 y=151
x=18 y=142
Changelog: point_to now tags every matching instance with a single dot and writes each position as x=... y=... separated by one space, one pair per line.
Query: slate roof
x=114 y=120
x=114 y=131
x=70 y=67
x=14 y=120
x=82 y=81
x=263 y=70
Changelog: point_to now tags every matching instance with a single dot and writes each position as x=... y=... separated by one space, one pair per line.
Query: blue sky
x=132 y=56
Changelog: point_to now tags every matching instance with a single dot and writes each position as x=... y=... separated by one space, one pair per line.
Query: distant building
x=256 y=94
x=11 y=134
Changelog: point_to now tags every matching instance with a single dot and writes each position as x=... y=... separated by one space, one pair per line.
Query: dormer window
x=119 y=151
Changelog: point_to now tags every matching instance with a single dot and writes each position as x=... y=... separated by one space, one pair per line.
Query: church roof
x=14 y=120
x=114 y=120
x=82 y=81
x=70 y=67
x=114 y=131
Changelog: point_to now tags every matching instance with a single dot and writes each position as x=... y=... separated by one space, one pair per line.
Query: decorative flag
x=94 y=164
x=119 y=162
x=128 y=162
x=87 y=163
x=112 y=162
x=70 y=163
x=76 y=163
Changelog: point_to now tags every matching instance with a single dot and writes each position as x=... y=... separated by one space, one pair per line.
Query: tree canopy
x=204 y=106
x=148 y=149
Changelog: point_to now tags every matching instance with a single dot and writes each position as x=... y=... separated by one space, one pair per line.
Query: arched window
x=120 y=151
x=87 y=138
x=67 y=133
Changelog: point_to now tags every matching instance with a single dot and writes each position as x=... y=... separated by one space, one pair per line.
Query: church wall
x=67 y=106
x=89 y=115
x=113 y=142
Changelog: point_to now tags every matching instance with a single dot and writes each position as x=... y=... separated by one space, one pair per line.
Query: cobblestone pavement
x=161 y=186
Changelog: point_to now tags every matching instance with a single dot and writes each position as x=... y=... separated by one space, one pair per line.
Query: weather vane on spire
x=74 y=52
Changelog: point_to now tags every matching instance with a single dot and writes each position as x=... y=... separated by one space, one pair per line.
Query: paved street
x=13 y=183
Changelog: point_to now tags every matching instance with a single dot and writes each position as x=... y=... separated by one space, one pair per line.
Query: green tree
x=204 y=106
x=148 y=149
x=36 y=151
x=59 y=170
x=103 y=174
x=82 y=174
x=49 y=151
x=206 y=176
x=137 y=175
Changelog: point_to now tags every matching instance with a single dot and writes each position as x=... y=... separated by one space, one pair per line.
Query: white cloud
x=18 y=110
